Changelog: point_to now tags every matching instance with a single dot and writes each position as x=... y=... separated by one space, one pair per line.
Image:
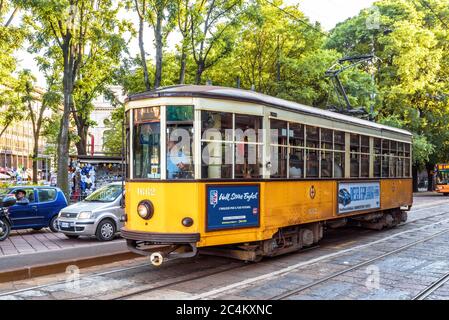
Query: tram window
x=400 y=149
x=279 y=161
x=385 y=147
x=326 y=139
x=247 y=160
x=312 y=137
x=377 y=145
x=339 y=140
x=146 y=144
x=326 y=164
x=355 y=164
x=278 y=132
x=355 y=143
x=393 y=148
x=407 y=167
x=339 y=164
x=296 y=163
x=216 y=125
x=247 y=126
x=312 y=163
x=364 y=141
x=216 y=160
x=296 y=134
x=385 y=164
x=377 y=165
x=407 y=150
x=400 y=168
x=393 y=165
x=364 y=166
x=180 y=164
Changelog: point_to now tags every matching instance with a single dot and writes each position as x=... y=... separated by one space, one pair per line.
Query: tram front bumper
x=161 y=238
x=161 y=245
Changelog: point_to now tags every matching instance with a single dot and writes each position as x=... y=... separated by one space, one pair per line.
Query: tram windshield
x=146 y=144
x=443 y=177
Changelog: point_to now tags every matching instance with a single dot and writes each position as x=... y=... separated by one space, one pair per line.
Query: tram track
x=432 y=288
x=217 y=270
x=360 y=265
x=219 y=291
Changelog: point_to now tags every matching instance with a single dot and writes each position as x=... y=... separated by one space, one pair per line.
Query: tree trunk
x=63 y=143
x=415 y=178
x=142 y=56
x=159 y=45
x=182 y=69
x=35 y=155
x=81 y=146
x=199 y=72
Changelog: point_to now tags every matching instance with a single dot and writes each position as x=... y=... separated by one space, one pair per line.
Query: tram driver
x=178 y=163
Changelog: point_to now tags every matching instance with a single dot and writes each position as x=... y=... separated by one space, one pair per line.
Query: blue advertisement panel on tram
x=358 y=196
x=236 y=206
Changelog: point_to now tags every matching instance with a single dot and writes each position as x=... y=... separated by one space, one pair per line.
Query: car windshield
x=105 y=194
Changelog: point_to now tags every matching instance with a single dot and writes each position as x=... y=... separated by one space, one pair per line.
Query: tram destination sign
x=232 y=206
x=358 y=196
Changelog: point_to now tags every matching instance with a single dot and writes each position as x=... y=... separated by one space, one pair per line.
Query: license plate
x=64 y=224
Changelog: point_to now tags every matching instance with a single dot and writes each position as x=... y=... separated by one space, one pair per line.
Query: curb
x=61 y=266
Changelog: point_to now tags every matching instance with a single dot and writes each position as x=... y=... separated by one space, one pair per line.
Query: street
x=402 y=263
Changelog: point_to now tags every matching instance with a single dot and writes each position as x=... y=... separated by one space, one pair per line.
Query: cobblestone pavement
x=349 y=263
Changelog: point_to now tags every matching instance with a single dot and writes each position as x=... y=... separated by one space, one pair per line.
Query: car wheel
x=72 y=236
x=37 y=229
x=106 y=230
x=53 y=225
x=5 y=230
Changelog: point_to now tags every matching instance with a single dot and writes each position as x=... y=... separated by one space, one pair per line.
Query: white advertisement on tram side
x=358 y=196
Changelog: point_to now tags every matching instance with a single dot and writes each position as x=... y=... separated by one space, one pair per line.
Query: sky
x=327 y=12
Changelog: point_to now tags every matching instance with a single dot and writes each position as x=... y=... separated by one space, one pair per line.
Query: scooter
x=5 y=221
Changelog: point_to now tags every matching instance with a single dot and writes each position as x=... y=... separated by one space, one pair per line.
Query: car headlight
x=85 y=215
x=145 y=209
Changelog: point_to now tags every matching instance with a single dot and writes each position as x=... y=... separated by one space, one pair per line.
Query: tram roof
x=226 y=93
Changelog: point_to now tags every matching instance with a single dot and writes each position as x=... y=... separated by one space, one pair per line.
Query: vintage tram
x=243 y=174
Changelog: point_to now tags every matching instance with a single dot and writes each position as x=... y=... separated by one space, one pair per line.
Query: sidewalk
x=27 y=253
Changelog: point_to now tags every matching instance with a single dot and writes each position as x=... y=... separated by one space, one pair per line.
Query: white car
x=98 y=215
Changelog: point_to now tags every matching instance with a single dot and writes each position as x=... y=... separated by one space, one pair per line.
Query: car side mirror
x=8 y=201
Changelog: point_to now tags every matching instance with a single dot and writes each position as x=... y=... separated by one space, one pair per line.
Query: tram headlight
x=145 y=209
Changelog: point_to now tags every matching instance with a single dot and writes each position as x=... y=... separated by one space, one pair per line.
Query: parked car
x=98 y=215
x=39 y=211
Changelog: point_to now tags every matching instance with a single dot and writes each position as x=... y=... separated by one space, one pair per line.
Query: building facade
x=16 y=148
x=103 y=109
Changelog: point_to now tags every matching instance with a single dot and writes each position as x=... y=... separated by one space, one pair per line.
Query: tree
x=66 y=30
x=413 y=78
x=37 y=103
x=211 y=34
x=11 y=39
x=160 y=15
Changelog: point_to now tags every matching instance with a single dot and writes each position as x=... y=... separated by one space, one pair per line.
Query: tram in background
x=442 y=178
x=245 y=195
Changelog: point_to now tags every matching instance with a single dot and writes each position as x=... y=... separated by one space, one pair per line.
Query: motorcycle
x=5 y=221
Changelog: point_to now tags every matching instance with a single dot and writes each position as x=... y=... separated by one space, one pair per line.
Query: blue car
x=39 y=210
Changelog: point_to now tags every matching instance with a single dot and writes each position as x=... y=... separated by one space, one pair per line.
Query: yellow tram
x=246 y=175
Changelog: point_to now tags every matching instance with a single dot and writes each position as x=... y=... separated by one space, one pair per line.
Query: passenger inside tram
x=178 y=163
x=295 y=167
